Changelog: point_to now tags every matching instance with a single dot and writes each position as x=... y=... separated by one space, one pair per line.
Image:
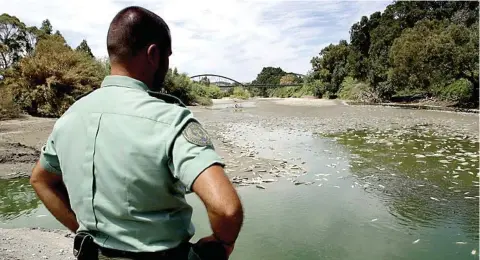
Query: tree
x=83 y=47
x=47 y=82
x=46 y=27
x=204 y=81
x=433 y=54
x=13 y=40
x=331 y=65
x=270 y=76
x=289 y=79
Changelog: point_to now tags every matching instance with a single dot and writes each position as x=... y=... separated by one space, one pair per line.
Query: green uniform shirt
x=127 y=160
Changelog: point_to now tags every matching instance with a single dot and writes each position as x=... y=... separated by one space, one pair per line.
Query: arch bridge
x=226 y=82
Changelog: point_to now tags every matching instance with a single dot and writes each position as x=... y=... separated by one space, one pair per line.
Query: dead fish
x=373 y=220
x=261 y=187
x=435 y=199
x=416 y=241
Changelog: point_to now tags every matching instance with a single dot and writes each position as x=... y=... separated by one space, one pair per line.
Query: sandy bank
x=34 y=244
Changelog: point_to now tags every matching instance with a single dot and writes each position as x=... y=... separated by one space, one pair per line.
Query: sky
x=226 y=37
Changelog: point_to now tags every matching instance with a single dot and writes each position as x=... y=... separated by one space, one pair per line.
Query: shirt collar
x=123 y=81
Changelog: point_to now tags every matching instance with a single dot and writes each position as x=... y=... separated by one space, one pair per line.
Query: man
x=118 y=163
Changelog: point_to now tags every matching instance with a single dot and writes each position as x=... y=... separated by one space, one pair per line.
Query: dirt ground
x=42 y=244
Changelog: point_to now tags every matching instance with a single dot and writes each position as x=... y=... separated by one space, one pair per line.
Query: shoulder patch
x=196 y=134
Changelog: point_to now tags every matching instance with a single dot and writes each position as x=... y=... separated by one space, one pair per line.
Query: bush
x=180 y=86
x=459 y=91
x=283 y=92
x=214 y=92
x=203 y=101
x=202 y=94
x=318 y=88
x=329 y=95
x=47 y=82
x=352 y=89
x=8 y=108
x=241 y=93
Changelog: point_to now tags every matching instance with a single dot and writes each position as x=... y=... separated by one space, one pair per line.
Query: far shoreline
x=313 y=101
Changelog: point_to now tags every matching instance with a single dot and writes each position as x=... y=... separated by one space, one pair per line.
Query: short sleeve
x=192 y=152
x=48 y=157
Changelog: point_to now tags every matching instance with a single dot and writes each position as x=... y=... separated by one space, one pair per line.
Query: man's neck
x=120 y=71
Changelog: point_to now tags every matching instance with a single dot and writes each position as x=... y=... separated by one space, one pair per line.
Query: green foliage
x=180 y=86
x=269 y=75
x=459 y=91
x=203 y=101
x=8 y=108
x=106 y=68
x=241 y=93
x=352 y=89
x=430 y=53
x=47 y=82
x=290 y=79
x=283 y=92
x=411 y=47
x=46 y=27
x=204 y=81
x=83 y=47
x=319 y=88
x=208 y=91
x=13 y=40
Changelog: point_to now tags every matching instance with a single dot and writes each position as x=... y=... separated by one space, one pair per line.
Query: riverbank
x=34 y=244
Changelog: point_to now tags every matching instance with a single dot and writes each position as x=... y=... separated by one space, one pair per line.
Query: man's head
x=139 y=46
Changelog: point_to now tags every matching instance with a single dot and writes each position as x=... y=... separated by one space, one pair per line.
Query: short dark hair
x=132 y=29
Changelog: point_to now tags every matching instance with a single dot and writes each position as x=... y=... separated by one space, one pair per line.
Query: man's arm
x=52 y=192
x=198 y=166
x=221 y=200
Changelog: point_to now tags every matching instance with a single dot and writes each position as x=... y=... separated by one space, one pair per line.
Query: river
x=356 y=183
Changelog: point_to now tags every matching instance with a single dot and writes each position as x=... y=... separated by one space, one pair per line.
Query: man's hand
x=212 y=238
x=222 y=203
x=52 y=192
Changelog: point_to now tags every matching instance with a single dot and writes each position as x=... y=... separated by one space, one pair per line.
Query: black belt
x=179 y=252
x=84 y=248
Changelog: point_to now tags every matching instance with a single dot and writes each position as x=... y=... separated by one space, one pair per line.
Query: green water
x=398 y=194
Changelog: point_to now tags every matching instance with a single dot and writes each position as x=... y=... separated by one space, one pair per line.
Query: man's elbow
x=41 y=178
x=34 y=177
x=234 y=211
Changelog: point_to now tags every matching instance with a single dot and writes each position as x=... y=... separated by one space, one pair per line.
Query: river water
x=379 y=183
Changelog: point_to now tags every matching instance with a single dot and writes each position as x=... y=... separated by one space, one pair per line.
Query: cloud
x=227 y=37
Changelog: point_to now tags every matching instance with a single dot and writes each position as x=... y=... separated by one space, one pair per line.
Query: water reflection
x=425 y=180
x=17 y=199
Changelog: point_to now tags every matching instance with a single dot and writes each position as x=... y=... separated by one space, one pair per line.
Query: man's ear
x=153 y=55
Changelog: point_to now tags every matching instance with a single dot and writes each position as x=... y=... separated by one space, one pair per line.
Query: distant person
x=118 y=163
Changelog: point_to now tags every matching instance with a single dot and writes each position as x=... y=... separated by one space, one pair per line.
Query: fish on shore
x=261 y=187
